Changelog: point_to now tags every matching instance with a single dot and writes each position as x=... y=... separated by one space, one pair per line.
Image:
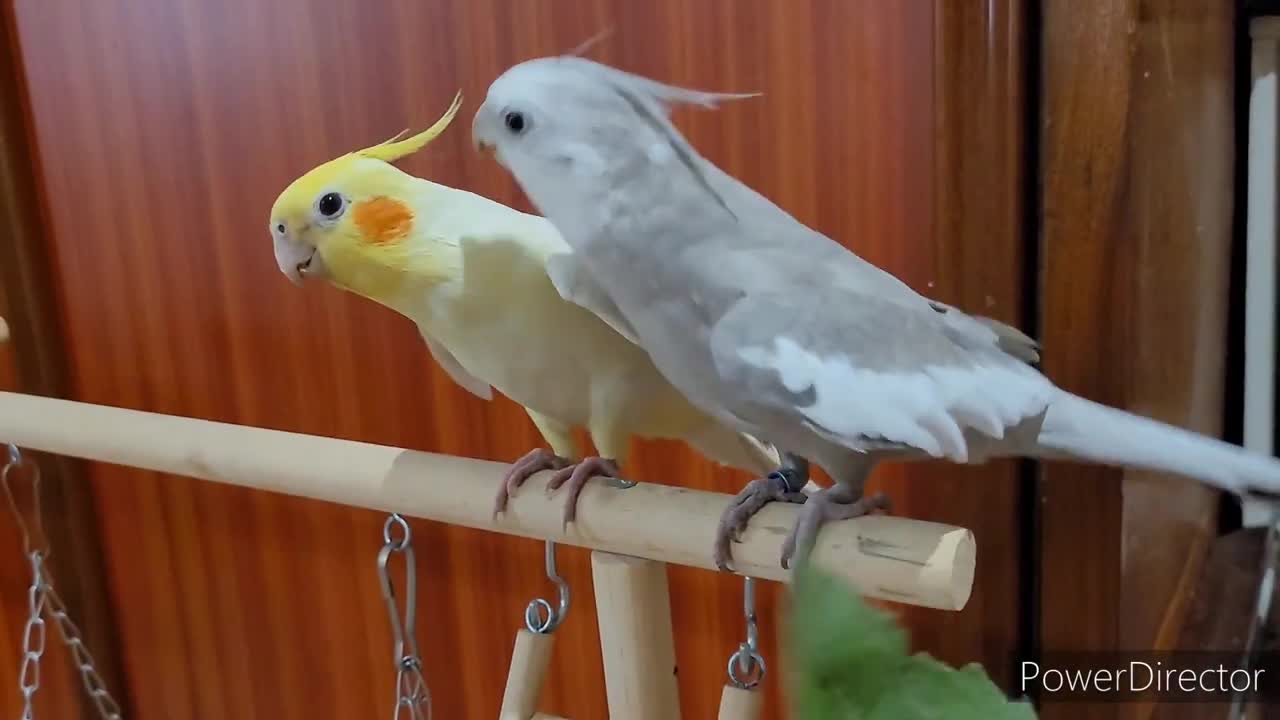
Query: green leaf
x=851 y=662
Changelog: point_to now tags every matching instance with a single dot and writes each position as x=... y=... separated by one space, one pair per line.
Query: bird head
x=350 y=220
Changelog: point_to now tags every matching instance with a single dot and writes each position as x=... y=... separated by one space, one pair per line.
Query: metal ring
x=753 y=672
x=394 y=519
x=15 y=455
x=533 y=617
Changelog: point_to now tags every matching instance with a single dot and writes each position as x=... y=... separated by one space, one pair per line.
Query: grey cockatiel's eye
x=515 y=121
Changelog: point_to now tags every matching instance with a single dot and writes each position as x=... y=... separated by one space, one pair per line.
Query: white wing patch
x=927 y=409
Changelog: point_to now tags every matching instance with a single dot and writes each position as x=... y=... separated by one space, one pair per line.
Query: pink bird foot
x=577 y=475
x=533 y=462
x=838 y=502
x=776 y=487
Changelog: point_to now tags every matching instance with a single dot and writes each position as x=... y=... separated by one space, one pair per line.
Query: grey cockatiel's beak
x=482 y=134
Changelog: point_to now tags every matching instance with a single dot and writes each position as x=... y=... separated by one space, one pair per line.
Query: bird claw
x=533 y=462
x=576 y=476
x=827 y=505
x=748 y=502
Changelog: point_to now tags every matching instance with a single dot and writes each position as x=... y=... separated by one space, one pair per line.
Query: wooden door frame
x=983 y=161
x=1136 y=135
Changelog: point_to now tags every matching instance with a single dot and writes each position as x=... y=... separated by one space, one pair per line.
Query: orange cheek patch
x=383 y=220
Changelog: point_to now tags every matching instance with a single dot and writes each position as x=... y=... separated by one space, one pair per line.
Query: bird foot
x=828 y=505
x=776 y=487
x=576 y=476
x=533 y=462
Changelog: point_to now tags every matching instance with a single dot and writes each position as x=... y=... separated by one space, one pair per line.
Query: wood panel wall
x=164 y=129
x=1137 y=155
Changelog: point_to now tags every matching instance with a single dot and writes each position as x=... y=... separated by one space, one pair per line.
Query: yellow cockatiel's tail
x=482 y=282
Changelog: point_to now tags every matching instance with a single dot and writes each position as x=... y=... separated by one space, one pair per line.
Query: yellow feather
x=394 y=149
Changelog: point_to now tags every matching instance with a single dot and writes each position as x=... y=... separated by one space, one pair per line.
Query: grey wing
x=986 y=330
x=575 y=284
x=454 y=369
x=857 y=368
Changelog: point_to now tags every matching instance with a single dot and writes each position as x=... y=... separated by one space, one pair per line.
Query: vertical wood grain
x=1136 y=208
x=165 y=129
x=979 y=176
x=634 y=614
x=34 y=361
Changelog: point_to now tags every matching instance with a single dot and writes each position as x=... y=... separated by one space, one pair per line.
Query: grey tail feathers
x=1085 y=430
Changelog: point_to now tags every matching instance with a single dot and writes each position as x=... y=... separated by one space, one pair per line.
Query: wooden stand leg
x=634 y=612
x=739 y=704
x=529 y=661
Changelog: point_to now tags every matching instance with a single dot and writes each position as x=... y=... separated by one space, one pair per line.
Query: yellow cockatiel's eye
x=330 y=205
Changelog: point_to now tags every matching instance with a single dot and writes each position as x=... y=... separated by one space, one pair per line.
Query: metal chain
x=412 y=694
x=42 y=598
x=33 y=638
x=94 y=686
x=746 y=665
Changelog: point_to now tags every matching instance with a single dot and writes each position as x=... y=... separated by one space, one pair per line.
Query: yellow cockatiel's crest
x=302 y=191
x=395 y=148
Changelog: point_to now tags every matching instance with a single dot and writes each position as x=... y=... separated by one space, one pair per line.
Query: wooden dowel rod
x=909 y=561
x=529 y=660
x=739 y=704
x=636 y=637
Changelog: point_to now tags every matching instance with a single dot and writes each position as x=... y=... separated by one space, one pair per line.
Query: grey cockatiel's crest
x=779 y=329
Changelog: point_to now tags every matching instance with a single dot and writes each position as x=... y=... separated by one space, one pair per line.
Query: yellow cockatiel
x=477 y=278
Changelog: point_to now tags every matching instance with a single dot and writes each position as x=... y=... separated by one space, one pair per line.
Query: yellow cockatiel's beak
x=298 y=260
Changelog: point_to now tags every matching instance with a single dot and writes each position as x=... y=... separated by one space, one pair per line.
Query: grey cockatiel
x=779 y=330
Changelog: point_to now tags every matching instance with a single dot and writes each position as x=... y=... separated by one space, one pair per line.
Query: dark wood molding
x=38 y=356
x=1136 y=193
x=979 y=229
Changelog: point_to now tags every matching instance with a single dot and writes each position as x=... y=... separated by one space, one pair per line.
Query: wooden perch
x=633 y=611
x=894 y=558
x=529 y=660
x=739 y=704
